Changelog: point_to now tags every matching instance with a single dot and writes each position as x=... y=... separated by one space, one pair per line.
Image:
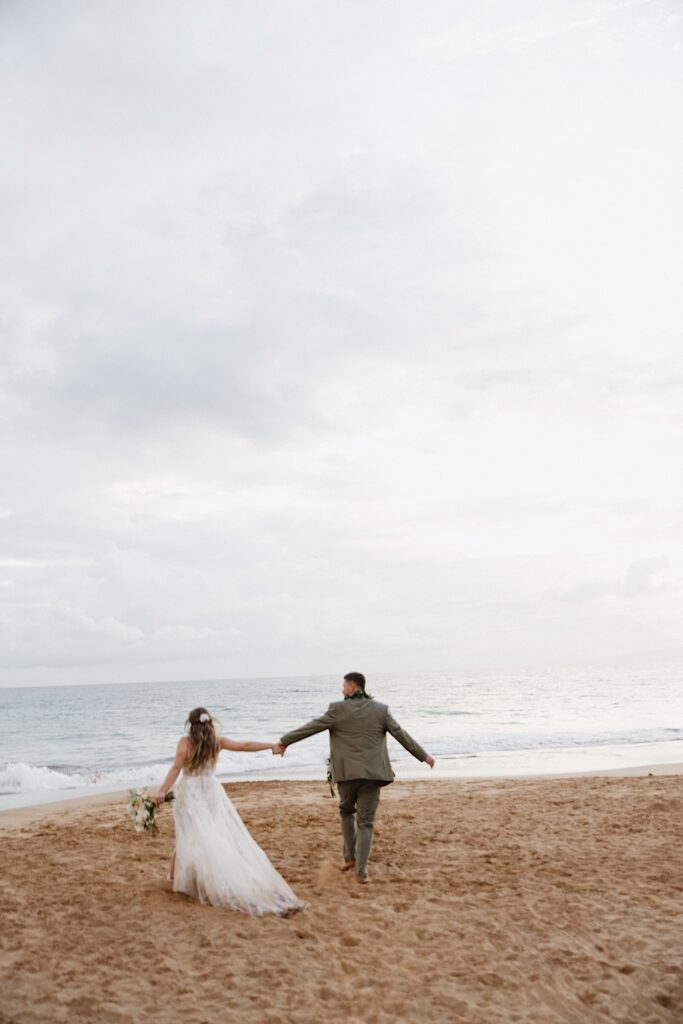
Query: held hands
x=277 y=748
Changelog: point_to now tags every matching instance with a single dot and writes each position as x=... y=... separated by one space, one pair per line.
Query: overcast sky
x=339 y=336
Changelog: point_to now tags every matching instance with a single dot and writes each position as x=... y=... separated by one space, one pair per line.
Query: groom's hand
x=430 y=761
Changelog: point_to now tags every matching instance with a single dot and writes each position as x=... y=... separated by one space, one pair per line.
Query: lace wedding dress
x=217 y=861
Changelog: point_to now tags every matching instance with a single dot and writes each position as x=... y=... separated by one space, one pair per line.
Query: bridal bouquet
x=142 y=808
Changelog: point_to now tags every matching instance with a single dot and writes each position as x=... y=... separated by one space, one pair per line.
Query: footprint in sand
x=326 y=875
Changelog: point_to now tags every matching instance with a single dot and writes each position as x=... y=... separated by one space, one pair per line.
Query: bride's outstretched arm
x=251 y=745
x=174 y=770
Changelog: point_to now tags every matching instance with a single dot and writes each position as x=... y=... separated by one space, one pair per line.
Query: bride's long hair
x=204 y=743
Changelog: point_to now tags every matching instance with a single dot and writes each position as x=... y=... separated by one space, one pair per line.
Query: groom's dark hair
x=356 y=677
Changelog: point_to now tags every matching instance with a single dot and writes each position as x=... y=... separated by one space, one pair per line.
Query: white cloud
x=637 y=583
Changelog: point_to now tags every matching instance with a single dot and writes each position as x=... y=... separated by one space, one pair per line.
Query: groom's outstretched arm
x=326 y=721
x=405 y=739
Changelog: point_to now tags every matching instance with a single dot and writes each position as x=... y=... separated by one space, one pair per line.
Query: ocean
x=67 y=741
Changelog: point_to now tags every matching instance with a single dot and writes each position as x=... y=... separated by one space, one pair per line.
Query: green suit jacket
x=358 y=739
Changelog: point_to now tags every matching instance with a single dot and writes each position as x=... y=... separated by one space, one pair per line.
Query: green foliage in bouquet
x=142 y=809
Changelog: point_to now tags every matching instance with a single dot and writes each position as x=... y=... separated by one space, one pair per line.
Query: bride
x=216 y=860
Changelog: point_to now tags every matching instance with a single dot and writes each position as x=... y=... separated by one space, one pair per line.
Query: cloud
x=67 y=634
x=637 y=582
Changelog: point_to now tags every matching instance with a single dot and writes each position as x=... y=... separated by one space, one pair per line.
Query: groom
x=358 y=727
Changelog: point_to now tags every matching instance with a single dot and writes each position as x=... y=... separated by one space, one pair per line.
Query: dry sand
x=502 y=900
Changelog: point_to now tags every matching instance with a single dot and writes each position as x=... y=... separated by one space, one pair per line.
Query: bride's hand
x=159 y=799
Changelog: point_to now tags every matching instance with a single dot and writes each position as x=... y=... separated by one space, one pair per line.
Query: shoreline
x=16 y=817
x=538 y=763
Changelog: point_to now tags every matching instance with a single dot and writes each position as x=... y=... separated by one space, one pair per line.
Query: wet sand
x=542 y=900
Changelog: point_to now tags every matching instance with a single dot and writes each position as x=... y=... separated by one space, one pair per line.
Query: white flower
x=139 y=828
x=141 y=816
x=204 y=717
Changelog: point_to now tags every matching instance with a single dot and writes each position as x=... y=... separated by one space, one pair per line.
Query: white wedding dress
x=217 y=861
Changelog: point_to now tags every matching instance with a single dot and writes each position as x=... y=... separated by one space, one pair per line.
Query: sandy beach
x=551 y=899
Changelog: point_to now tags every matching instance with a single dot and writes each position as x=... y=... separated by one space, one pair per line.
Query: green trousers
x=358 y=802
